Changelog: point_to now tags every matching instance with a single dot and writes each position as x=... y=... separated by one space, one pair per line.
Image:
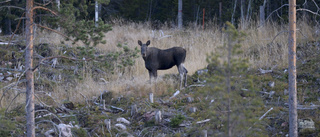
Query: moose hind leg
x=185 y=76
x=182 y=72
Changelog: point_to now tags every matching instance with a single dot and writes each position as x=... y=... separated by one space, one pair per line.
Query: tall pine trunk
x=29 y=72
x=293 y=124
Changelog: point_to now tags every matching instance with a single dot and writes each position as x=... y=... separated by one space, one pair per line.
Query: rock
x=271 y=84
x=65 y=130
x=190 y=99
x=123 y=120
x=202 y=71
x=49 y=133
x=306 y=124
x=9 y=78
x=271 y=93
x=193 y=109
x=121 y=126
x=1 y=78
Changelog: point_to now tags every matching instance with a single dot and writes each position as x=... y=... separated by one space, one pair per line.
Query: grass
x=264 y=46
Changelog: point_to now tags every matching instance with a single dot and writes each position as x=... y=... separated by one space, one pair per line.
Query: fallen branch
x=265 y=113
x=262 y=71
x=50 y=113
x=304 y=107
x=117 y=108
x=65 y=57
x=198 y=85
x=203 y=121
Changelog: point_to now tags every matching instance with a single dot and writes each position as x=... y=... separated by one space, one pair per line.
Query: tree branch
x=40 y=7
x=16 y=29
x=315 y=13
x=16 y=7
x=5 y=1
x=53 y=31
x=276 y=10
x=45 y=4
x=65 y=57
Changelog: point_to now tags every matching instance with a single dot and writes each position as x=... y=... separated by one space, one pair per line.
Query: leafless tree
x=293 y=125
x=29 y=73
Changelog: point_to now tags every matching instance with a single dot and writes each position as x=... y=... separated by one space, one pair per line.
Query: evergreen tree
x=232 y=88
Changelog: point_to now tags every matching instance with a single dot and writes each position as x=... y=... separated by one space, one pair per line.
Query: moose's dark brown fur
x=156 y=59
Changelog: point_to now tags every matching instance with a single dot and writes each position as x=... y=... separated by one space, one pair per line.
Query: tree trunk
x=150 y=12
x=8 y=30
x=293 y=115
x=220 y=14
x=234 y=10
x=228 y=83
x=242 y=11
x=58 y=4
x=180 y=14
x=262 y=19
x=29 y=72
x=96 y=13
x=249 y=11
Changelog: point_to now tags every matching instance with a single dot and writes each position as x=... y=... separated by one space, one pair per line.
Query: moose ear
x=148 y=42
x=139 y=42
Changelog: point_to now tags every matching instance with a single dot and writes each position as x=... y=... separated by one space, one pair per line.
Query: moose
x=157 y=59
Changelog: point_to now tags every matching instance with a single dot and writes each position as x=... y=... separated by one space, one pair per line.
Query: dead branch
x=276 y=10
x=278 y=35
x=315 y=13
x=302 y=9
x=50 y=113
x=49 y=121
x=305 y=107
x=40 y=7
x=45 y=4
x=41 y=101
x=12 y=85
x=16 y=7
x=47 y=95
x=5 y=1
x=65 y=57
x=6 y=111
x=203 y=121
x=265 y=113
x=54 y=31
x=85 y=99
x=15 y=31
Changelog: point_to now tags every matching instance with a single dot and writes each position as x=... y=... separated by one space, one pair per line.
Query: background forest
x=90 y=79
x=162 y=11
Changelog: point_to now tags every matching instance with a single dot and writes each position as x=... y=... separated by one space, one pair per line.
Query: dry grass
x=264 y=46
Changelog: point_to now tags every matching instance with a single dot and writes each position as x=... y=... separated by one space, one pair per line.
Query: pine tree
x=232 y=88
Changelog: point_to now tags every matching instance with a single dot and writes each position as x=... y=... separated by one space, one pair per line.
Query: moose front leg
x=152 y=75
